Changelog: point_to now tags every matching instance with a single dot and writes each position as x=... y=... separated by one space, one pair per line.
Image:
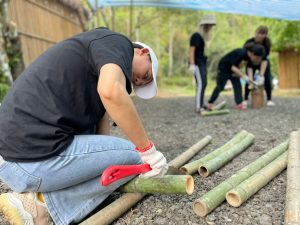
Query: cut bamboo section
x=214 y=164
x=215 y=112
x=169 y=184
x=117 y=208
x=241 y=193
x=219 y=106
x=292 y=207
x=192 y=167
x=216 y=196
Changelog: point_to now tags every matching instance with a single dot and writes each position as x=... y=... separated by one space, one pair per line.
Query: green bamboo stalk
x=214 y=164
x=191 y=152
x=192 y=167
x=253 y=184
x=219 y=106
x=215 y=112
x=292 y=206
x=169 y=184
x=216 y=196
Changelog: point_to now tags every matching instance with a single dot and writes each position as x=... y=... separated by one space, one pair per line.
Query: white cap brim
x=150 y=90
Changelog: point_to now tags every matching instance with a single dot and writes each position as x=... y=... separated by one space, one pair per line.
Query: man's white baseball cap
x=149 y=90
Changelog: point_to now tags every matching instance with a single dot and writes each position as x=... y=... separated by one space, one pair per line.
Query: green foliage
x=164 y=28
x=3 y=91
x=285 y=34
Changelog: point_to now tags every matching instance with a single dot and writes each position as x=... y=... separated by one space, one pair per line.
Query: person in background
x=229 y=69
x=198 y=60
x=264 y=76
x=50 y=155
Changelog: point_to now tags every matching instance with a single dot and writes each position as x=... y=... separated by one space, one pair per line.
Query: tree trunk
x=209 y=201
x=292 y=206
x=253 y=184
x=192 y=167
x=171 y=41
x=4 y=61
x=213 y=165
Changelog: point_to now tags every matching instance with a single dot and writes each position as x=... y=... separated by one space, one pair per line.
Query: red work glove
x=155 y=159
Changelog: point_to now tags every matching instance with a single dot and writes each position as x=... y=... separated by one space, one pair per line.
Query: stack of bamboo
x=221 y=156
x=247 y=181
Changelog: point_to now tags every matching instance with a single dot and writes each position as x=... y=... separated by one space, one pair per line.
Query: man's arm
x=263 y=67
x=119 y=106
x=237 y=71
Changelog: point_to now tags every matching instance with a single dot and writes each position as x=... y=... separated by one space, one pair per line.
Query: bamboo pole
x=216 y=196
x=117 y=208
x=219 y=106
x=238 y=195
x=215 y=112
x=169 y=184
x=188 y=154
x=292 y=207
x=192 y=167
x=213 y=165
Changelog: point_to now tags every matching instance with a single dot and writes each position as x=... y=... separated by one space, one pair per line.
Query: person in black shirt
x=261 y=37
x=49 y=155
x=197 y=58
x=229 y=69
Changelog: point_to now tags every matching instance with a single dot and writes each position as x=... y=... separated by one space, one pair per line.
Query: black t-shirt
x=56 y=97
x=233 y=58
x=198 y=42
x=265 y=44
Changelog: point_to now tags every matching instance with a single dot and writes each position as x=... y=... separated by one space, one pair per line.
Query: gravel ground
x=173 y=126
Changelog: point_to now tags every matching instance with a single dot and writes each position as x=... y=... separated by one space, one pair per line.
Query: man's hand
x=155 y=159
x=260 y=81
x=245 y=78
x=192 y=68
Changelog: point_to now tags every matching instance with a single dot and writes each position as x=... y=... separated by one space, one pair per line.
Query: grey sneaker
x=24 y=209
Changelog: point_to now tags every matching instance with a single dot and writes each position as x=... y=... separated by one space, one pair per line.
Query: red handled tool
x=114 y=173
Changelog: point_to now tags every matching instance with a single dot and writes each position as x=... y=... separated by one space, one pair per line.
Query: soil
x=173 y=126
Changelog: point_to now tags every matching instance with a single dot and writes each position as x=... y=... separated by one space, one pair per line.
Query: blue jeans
x=69 y=181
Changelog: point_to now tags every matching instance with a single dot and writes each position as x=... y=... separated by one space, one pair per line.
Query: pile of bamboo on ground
x=218 y=109
x=245 y=182
x=221 y=156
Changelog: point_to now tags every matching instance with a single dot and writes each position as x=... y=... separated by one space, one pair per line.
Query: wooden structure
x=42 y=23
x=258 y=98
x=289 y=69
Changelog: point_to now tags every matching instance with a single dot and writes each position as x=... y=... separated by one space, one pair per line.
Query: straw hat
x=208 y=19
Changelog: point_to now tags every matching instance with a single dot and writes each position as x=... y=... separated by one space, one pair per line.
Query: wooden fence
x=42 y=23
x=289 y=69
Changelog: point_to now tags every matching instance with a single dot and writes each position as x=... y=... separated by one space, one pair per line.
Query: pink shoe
x=241 y=106
x=210 y=106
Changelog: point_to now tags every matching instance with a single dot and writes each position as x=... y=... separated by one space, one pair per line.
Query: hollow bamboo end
x=200 y=208
x=203 y=171
x=233 y=199
x=184 y=170
x=190 y=185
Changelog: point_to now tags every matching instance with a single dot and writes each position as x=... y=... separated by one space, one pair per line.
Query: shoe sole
x=13 y=210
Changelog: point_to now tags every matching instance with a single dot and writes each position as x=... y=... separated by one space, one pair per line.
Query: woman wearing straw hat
x=197 y=58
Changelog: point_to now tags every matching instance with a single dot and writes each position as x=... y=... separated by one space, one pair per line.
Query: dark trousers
x=268 y=83
x=201 y=82
x=222 y=79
